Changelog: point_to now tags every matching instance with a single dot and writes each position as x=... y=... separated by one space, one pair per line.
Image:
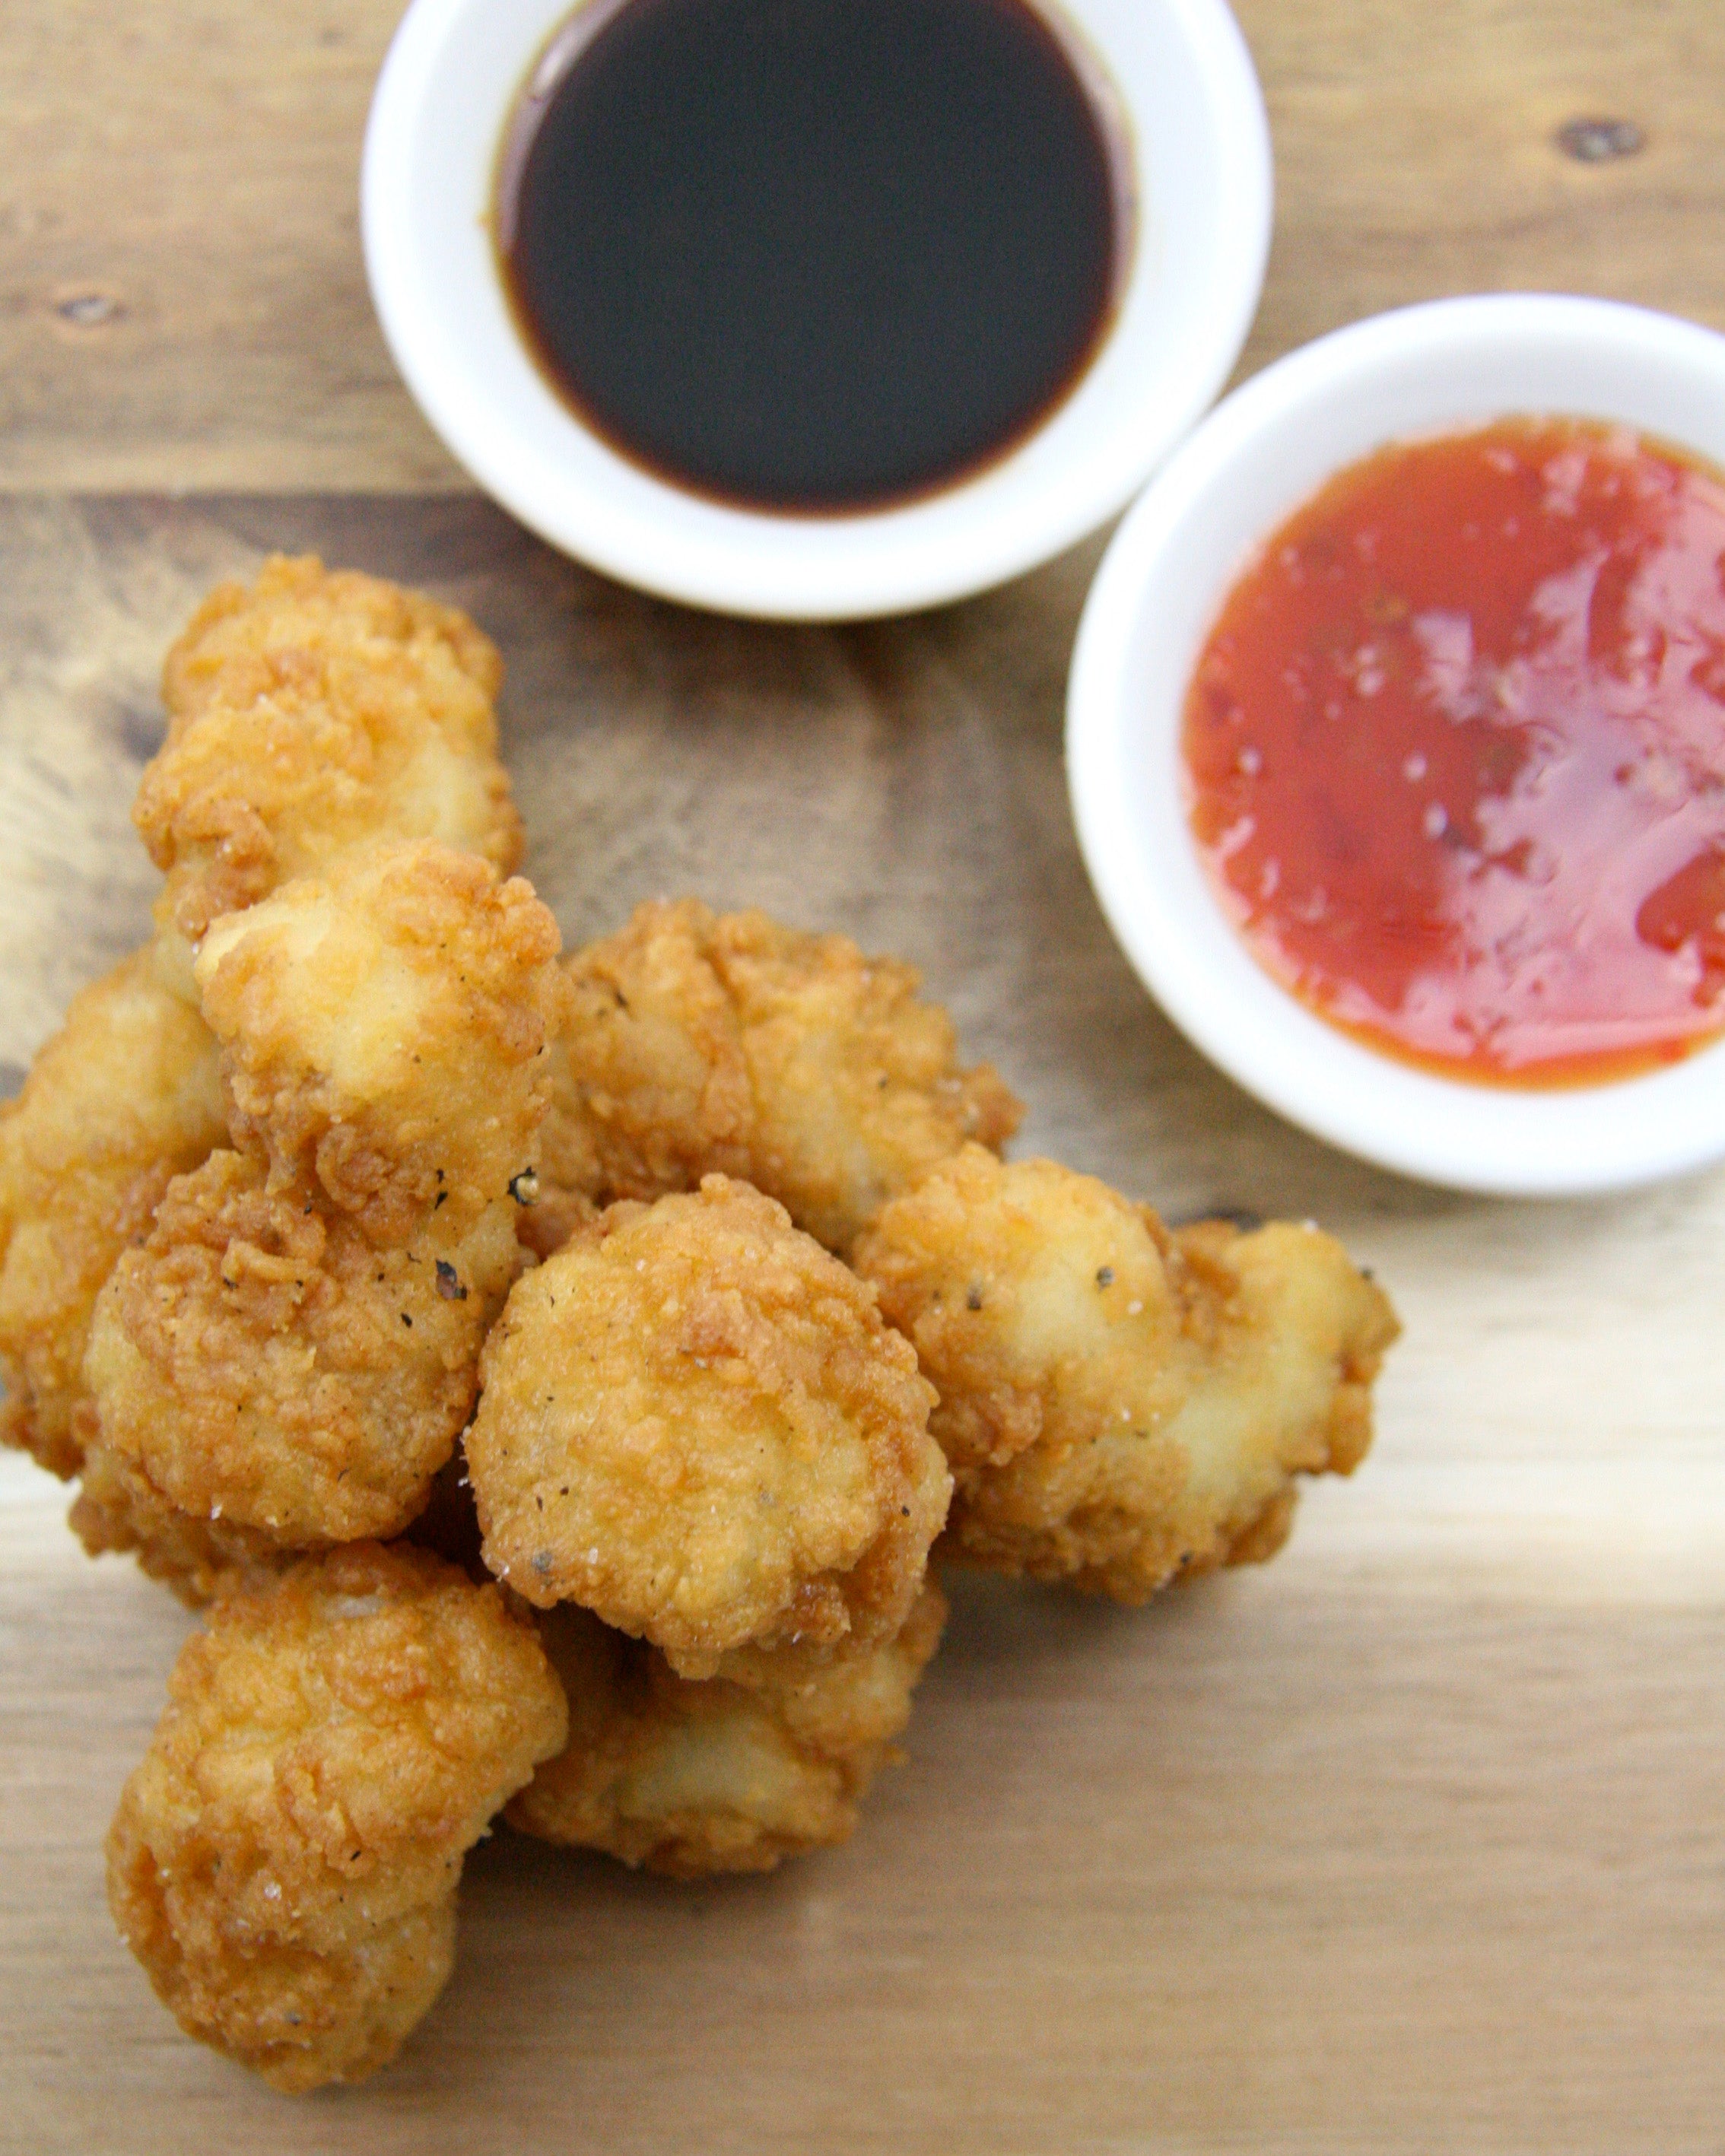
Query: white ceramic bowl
x=1202 y=150
x=1262 y=452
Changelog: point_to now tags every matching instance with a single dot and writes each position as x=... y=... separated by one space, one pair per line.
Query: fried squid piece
x=124 y=1098
x=695 y=1424
x=283 y=1862
x=259 y=1360
x=295 y=1346
x=314 y=712
x=1122 y=1404
x=732 y=1773
x=383 y=1032
x=700 y=1043
x=117 y=1511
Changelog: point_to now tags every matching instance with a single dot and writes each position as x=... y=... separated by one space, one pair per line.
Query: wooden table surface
x=1413 y=1840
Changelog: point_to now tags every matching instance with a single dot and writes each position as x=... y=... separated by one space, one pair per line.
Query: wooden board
x=1409 y=1842
x=183 y=302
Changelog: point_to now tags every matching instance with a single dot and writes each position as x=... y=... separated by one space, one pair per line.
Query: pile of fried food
x=554 y=1372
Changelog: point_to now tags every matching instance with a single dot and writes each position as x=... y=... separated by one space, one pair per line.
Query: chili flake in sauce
x=1455 y=752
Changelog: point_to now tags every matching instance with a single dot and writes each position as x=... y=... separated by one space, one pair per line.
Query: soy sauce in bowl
x=814 y=255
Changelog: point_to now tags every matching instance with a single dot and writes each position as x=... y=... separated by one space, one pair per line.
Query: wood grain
x=182 y=303
x=1409 y=1842
x=1292 y=1864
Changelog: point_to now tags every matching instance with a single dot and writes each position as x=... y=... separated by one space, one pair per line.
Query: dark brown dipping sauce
x=812 y=254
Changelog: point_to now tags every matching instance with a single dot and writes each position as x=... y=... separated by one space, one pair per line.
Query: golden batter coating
x=694 y=1423
x=314 y=712
x=384 y=1030
x=563 y=1193
x=729 y=1773
x=124 y=1098
x=284 y=1861
x=258 y=1359
x=118 y=1510
x=699 y=1042
x=370 y=630
x=1121 y=1405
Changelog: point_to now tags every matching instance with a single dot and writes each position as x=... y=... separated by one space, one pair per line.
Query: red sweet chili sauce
x=1455 y=753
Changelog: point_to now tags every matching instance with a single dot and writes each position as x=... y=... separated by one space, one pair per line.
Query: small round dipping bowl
x=1191 y=109
x=1422 y=371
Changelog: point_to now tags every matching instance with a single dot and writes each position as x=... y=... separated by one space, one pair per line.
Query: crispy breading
x=311 y=713
x=258 y=1359
x=383 y=1029
x=371 y=630
x=118 y=1510
x=284 y=1861
x=1121 y=1405
x=294 y=1345
x=728 y=1774
x=699 y=1043
x=563 y=1193
x=694 y=1423
x=124 y=1098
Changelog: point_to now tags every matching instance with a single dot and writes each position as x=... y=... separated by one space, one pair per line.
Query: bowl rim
x=1502 y=1141
x=645 y=532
